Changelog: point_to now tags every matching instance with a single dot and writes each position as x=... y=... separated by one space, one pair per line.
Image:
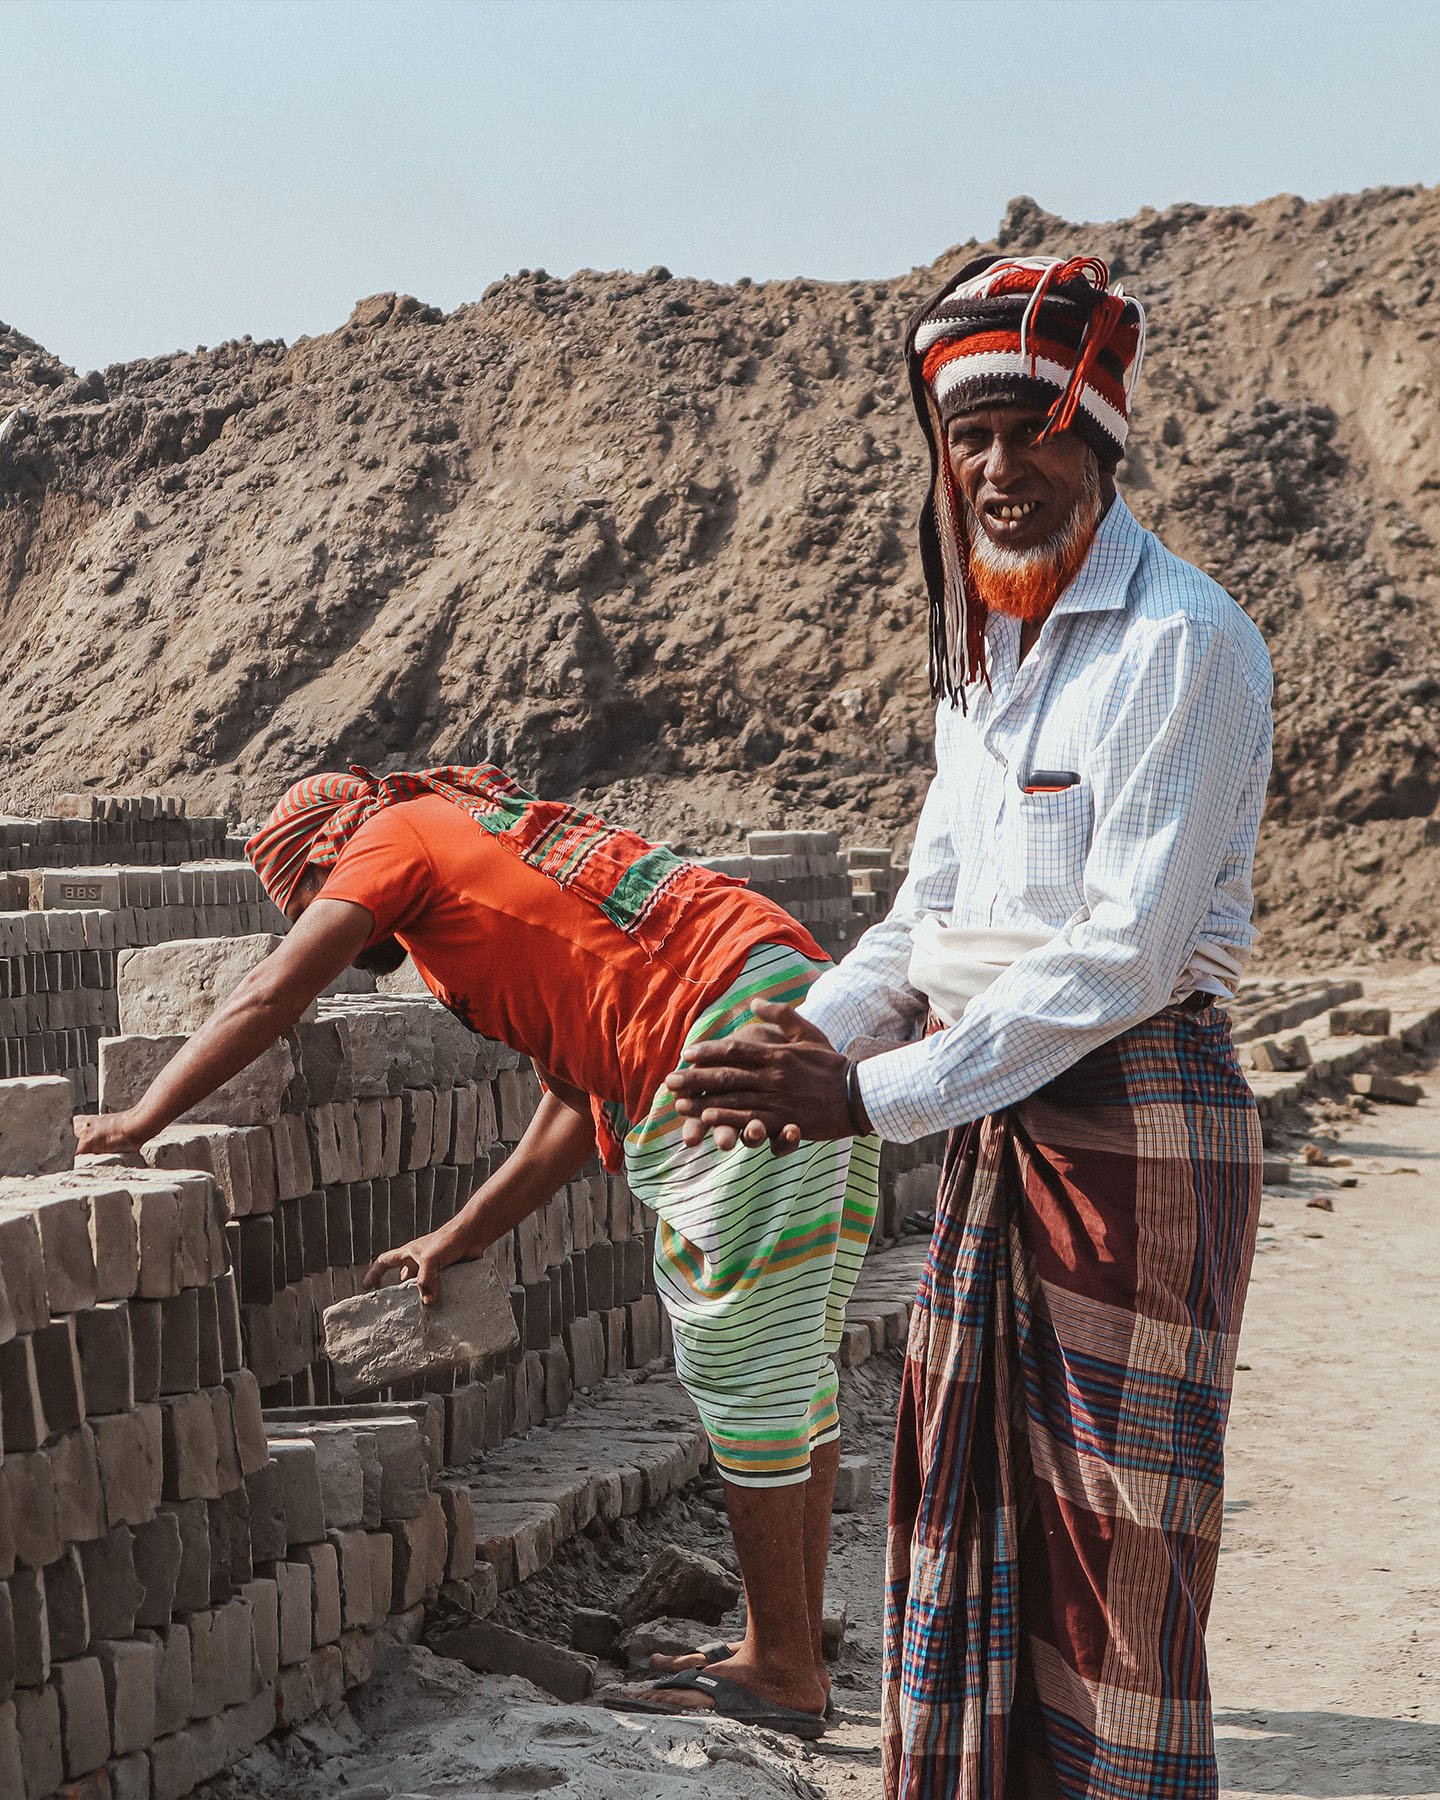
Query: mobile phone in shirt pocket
x=1044 y=840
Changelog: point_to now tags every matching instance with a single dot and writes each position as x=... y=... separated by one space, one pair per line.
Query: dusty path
x=1325 y=1638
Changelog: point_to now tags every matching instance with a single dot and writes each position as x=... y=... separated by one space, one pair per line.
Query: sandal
x=731 y=1702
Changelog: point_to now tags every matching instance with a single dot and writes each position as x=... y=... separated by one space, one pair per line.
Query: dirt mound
x=651 y=540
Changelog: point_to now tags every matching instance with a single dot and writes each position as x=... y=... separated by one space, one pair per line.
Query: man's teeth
x=1020 y=511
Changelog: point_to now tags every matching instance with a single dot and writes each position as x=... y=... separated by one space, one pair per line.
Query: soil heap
x=650 y=541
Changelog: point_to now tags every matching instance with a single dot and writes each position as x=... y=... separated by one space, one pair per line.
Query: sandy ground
x=1325 y=1638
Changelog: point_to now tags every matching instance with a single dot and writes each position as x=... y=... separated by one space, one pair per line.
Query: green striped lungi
x=756 y=1256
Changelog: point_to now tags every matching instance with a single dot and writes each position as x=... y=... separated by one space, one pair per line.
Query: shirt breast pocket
x=1044 y=840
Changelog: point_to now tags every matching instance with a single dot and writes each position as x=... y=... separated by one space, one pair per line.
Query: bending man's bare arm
x=266 y=1004
x=557 y=1143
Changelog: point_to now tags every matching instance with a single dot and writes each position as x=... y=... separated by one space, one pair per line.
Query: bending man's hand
x=423 y=1258
x=783 y=1081
x=97 y=1133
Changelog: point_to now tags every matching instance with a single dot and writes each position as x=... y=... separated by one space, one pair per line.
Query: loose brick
x=192 y=1580
x=23 y=1263
x=389 y=1335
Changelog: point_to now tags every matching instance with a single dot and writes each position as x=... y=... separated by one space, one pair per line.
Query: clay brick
x=459 y=1512
x=80 y=1512
x=128 y=1666
x=382 y=1572
x=27 y=1497
x=262 y=1597
x=325 y=1611
x=158 y=1225
x=106 y=1357
x=191 y=1456
x=7 y=1645
x=12 y=1769
x=192 y=1580
x=293 y=1593
x=269 y=1534
x=84 y=1717
x=249 y=1421
x=30 y=1628
x=23 y=1263
x=129 y=1452
x=130 y=1777
x=113 y=1589
x=156 y=1552
x=388 y=1335
x=421 y=1547
x=302 y=1496
x=21 y=1410
x=57 y=1369
x=145 y=1349
x=37 y=1719
x=173 y=1679
x=175 y=1766
x=36 y=1135
x=66 y=1606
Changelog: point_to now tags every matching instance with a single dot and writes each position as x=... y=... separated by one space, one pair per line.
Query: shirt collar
x=1103 y=582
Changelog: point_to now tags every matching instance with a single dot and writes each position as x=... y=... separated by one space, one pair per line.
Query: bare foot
x=673 y=1665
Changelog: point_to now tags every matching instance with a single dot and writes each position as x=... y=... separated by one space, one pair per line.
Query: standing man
x=1078 y=899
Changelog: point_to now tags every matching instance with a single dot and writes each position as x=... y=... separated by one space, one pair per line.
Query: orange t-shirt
x=521 y=959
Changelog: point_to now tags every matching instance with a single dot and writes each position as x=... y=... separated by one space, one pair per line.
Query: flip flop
x=718 y=1653
x=713 y=1653
x=731 y=1702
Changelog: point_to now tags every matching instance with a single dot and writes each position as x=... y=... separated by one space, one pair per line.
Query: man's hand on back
x=781 y=1079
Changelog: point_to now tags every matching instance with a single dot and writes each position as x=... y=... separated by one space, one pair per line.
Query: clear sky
x=175 y=172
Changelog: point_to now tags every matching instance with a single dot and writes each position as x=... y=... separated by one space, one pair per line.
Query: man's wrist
x=854 y=1100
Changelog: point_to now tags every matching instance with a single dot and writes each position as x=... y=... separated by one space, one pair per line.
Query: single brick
x=84 y=1716
x=36 y=1135
x=128 y=1666
x=107 y=1358
x=112 y=1586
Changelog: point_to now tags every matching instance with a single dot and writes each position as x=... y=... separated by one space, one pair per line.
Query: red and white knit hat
x=1043 y=332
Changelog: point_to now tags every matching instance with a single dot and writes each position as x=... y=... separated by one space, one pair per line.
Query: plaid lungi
x=1056 y=1504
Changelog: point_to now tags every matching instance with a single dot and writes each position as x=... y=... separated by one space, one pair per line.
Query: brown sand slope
x=653 y=539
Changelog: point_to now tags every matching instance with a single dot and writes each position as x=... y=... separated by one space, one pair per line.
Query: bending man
x=605 y=959
x=1078 y=899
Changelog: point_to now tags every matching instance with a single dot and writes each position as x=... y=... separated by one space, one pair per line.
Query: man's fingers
x=387 y=1259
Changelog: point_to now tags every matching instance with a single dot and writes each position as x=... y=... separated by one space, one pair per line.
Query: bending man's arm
x=557 y=1143
x=266 y=1004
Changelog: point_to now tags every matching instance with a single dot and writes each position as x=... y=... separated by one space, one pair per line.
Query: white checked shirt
x=1149 y=682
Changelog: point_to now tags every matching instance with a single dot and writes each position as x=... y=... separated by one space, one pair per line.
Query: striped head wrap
x=1042 y=332
x=315 y=819
x=311 y=823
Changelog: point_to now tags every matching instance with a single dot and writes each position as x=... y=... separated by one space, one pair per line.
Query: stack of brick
x=874 y=880
x=374 y=1121
x=110 y=828
x=60 y=938
x=177 y=1575
x=804 y=872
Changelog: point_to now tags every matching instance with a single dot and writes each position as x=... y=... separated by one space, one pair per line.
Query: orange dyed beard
x=1025 y=584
